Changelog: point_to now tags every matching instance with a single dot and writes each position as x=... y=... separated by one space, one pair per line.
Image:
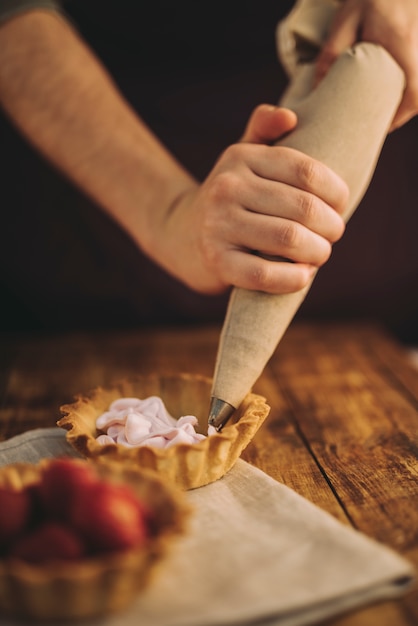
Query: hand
x=258 y=197
x=393 y=25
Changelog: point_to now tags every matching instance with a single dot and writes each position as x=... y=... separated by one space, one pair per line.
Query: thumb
x=267 y=123
x=343 y=34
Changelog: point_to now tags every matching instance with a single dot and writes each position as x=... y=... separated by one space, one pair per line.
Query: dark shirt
x=9 y=8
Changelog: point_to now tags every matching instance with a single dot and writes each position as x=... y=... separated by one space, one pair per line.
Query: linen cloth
x=256 y=553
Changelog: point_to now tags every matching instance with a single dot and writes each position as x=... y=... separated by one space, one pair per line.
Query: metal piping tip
x=219 y=413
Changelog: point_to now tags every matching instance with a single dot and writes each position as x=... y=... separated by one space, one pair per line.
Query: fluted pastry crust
x=100 y=585
x=187 y=466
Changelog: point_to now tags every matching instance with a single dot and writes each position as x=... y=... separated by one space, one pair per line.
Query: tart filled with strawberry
x=71 y=530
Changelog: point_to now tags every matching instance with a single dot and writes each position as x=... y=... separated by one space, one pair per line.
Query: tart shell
x=188 y=466
x=96 y=586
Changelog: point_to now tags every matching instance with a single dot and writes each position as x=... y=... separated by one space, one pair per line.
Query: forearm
x=64 y=102
x=257 y=196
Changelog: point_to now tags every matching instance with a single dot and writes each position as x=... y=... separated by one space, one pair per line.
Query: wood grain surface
x=342 y=432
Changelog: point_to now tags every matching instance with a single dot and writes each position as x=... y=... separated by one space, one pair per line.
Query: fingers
x=279 y=237
x=343 y=34
x=262 y=200
x=407 y=109
x=275 y=201
x=257 y=274
x=286 y=216
x=394 y=26
x=284 y=222
x=273 y=179
x=301 y=174
x=267 y=123
x=409 y=104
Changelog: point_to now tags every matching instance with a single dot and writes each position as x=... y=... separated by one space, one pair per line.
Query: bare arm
x=257 y=197
x=66 y=104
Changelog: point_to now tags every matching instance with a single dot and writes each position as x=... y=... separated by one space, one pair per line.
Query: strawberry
x=60 y=483
x=109 y=516
x=49 y=541
x=37 y=512
x=14 y=513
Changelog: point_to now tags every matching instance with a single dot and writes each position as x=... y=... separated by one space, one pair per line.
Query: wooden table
x=343 y=428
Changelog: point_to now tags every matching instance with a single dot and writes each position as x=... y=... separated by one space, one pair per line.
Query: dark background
x=194 y=72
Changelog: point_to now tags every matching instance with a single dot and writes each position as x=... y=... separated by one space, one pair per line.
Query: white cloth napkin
x=256 y=553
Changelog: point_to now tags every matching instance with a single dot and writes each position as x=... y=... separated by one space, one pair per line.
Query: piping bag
x=343 y=122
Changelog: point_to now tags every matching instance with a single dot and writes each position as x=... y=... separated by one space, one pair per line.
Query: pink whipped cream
x=134 y=422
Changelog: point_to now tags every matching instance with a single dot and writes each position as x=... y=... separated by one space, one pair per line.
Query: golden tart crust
x=96 y=586
x=186 y=465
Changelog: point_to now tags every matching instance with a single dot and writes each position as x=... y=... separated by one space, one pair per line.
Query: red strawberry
x=109 y=516
x=37 y=512
x=60 y=483
x=14 y=513
x=50 y=541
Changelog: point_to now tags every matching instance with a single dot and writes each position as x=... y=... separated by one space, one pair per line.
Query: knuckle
x=259 y=110
x=325 y=253
x=288 y=235
x=308 y=171
x=307 y=208
x=209 y=253
x=224 y=185
x=260 y=277
x=299 y=281
x=339 y=231
x=234 y=152
x=208 y=225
